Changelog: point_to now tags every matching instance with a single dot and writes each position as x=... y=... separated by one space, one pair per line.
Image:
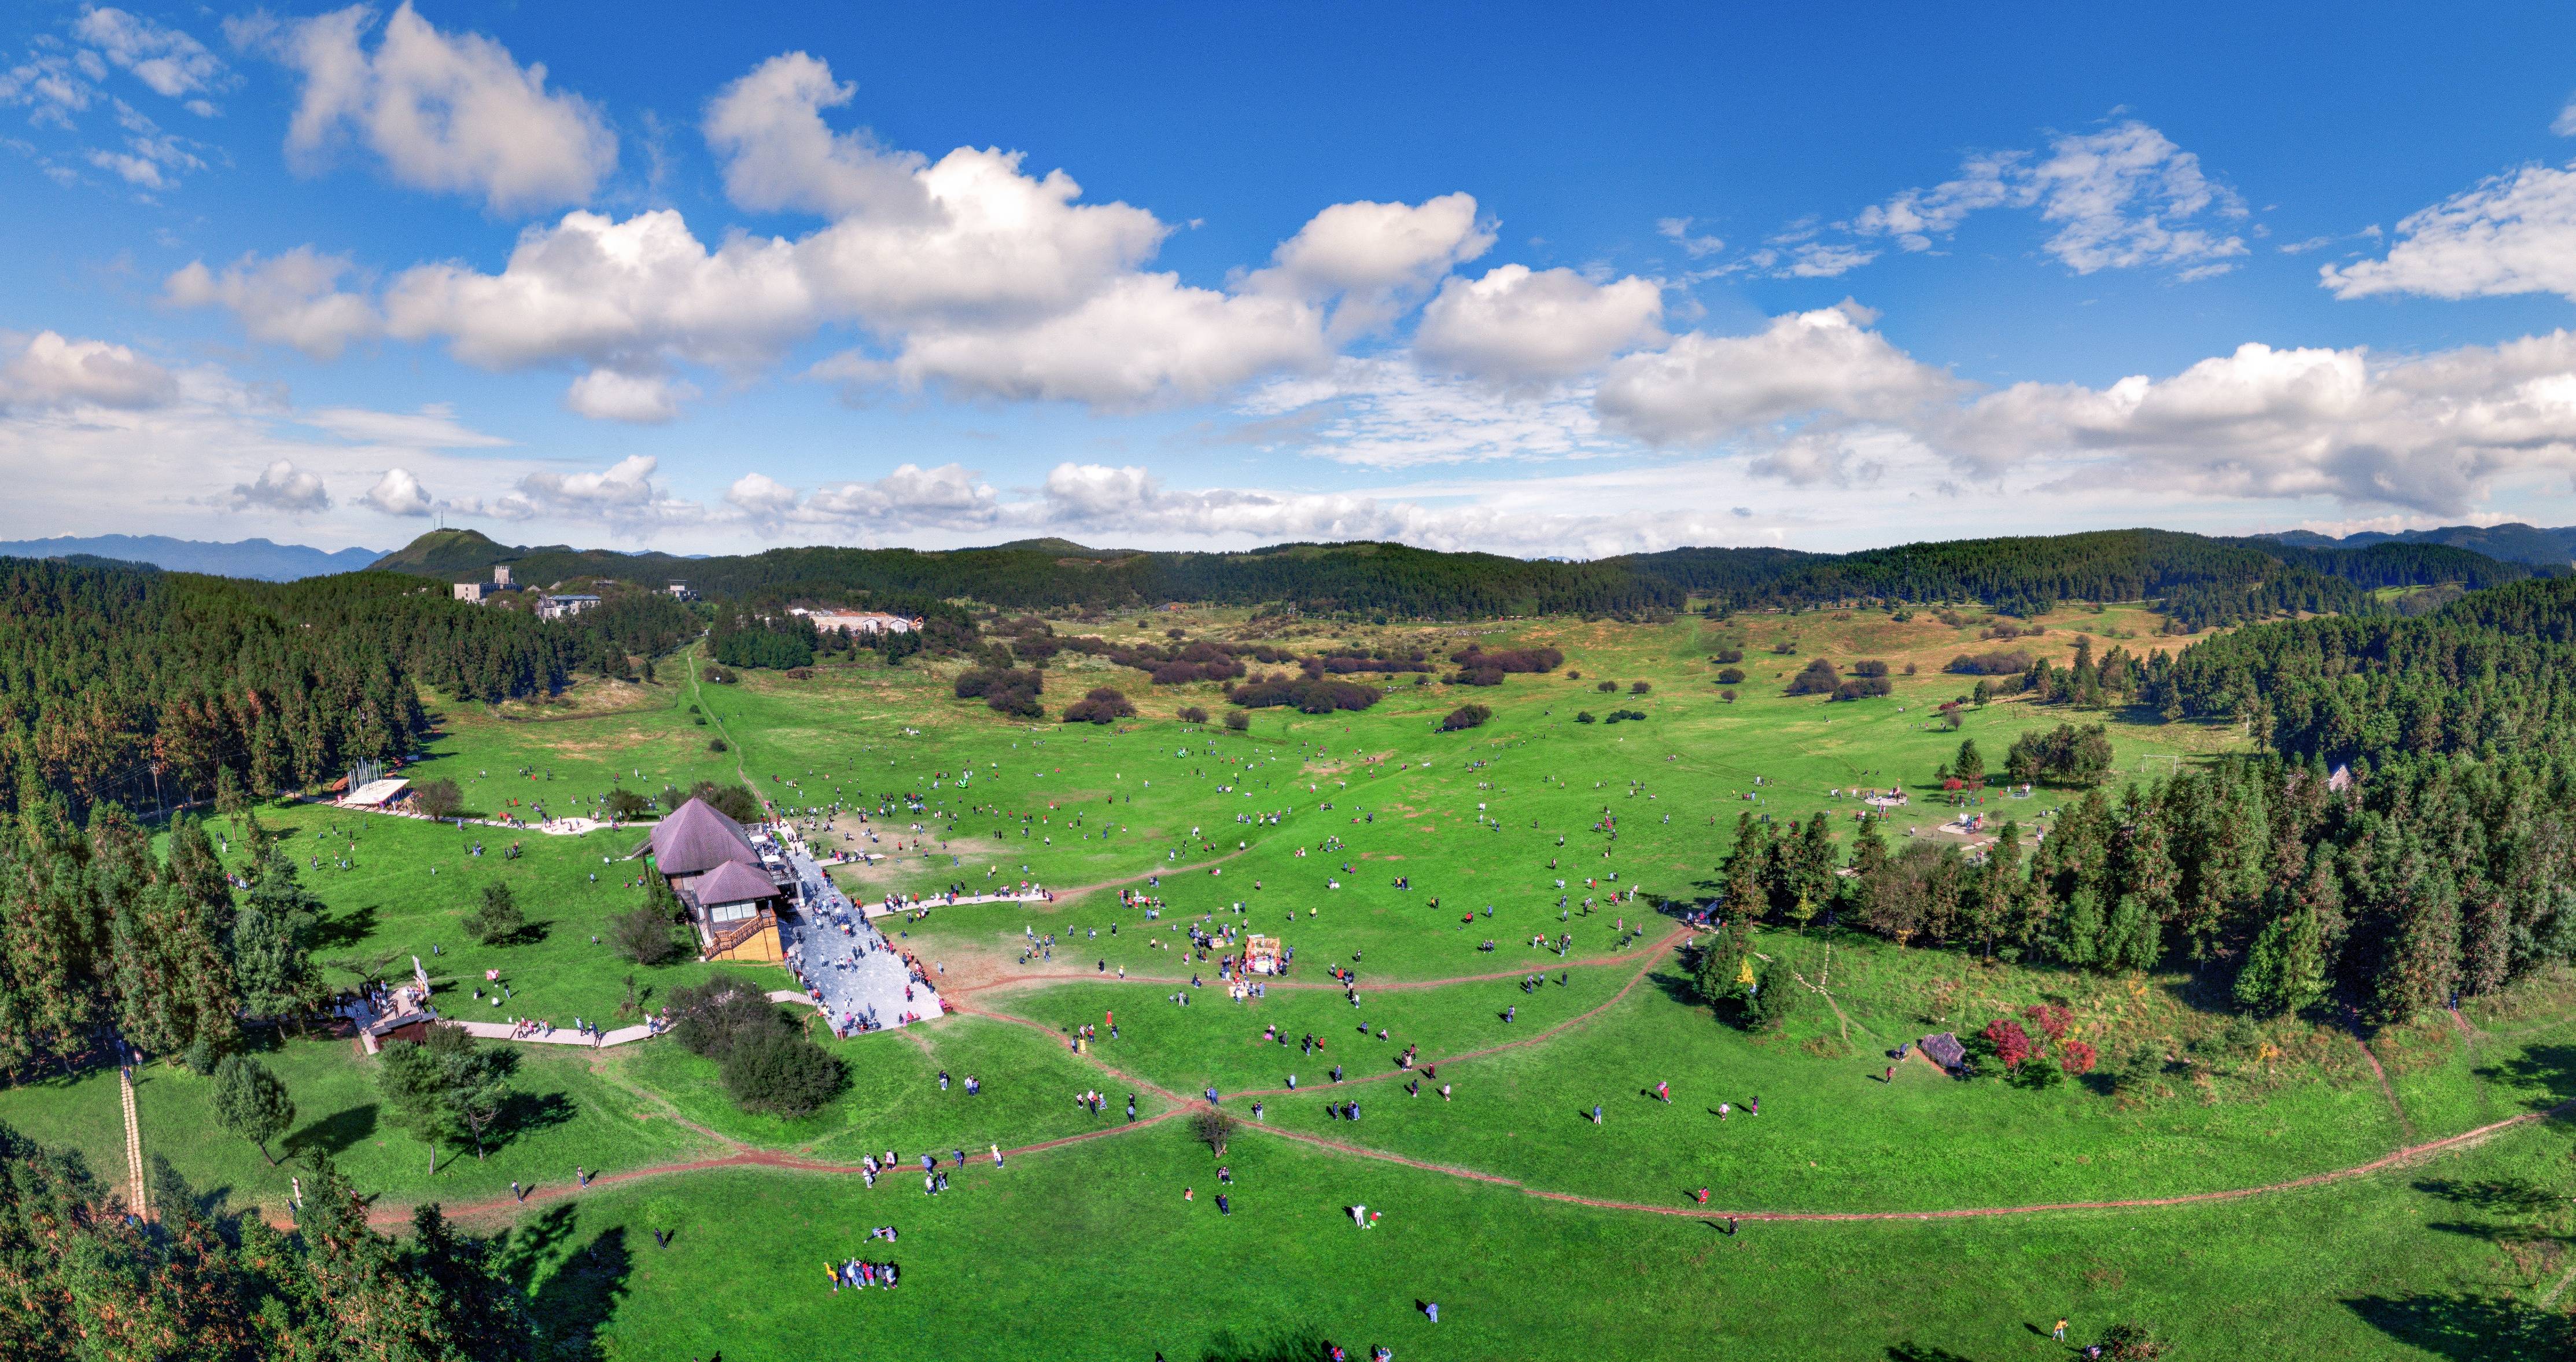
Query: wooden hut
x=716 y=870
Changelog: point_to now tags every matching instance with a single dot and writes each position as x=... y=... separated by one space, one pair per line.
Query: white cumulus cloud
x=1377 y=258
x=1143 y=339
x=447 y=112
x=768 y=129
x=398 y=492
x=2512 y=234
x=283 y=487
x=48 y=371
x=1520 y=325
x=1821 y=366
x=637 y=399
x=2428 y=433
x=292 y=298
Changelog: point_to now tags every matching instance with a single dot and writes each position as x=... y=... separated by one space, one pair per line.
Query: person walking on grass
x=2059 y=1333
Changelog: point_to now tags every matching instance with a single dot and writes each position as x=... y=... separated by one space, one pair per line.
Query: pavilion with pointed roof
x=716 y=870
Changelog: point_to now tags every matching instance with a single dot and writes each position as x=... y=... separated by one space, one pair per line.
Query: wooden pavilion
x=719 y=873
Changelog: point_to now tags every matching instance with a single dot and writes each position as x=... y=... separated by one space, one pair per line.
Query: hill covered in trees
x=2203 y=581
x=2403 y=842
x=2494 y=672
x=130 y=684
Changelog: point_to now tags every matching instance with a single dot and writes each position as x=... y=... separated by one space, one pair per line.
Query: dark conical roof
x=733 y=882
x=696 y=839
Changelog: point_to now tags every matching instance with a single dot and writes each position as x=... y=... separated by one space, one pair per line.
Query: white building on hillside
x=857 y=622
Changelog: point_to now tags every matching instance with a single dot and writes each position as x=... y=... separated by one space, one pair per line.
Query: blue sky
x=1213 y=276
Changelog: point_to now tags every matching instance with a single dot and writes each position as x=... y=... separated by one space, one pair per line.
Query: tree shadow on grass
x=1298 y=1343
x=338 y=931
x=530 y=1111
x=2550 y=1068
x=335 y=1133
x=524 y=1248
x=533 y=934
x=1910 y=1351
x=2504 y=1196
x=1676 y=986
x=2466 y=1327
x=578 y=1300
x=2210 y=992
x=169 y=1189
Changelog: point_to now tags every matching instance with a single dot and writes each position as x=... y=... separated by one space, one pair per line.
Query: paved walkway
x=844 y=956
x=552 y=827
x=562 y=1035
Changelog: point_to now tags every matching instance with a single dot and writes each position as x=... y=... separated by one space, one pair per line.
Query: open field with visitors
x=1492 y=932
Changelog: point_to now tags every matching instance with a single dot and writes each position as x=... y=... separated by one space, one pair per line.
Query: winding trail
x=2400 y=1156
x=746 y=1156
x=2386 y=1090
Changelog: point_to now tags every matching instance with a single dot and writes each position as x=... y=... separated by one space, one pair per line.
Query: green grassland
x=1089 y=1249
x=1092 y=1252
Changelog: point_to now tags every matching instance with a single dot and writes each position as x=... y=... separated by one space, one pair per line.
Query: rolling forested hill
x=2203 y=581
x=136 y=685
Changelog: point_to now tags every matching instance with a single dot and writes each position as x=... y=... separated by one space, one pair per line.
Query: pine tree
x=478 y=1306
x=2144 y=863
x=1812 y=878
x=2132 y=939
x=1746 y=895
x=446 y=1086
x=272 y=943
x=251 y=1102
x=1869 y=866
x=2284 y=969
x=408 y=1077
x=495 y=917
x=51 y=939
x=1970 y=765
x=2001 y=885
x=2486 y=951
x=2423 y=951
x=1717 y=974
x=2079 y=929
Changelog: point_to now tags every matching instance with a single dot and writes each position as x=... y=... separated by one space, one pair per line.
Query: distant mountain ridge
x=2512 y=542
x=257 y=559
